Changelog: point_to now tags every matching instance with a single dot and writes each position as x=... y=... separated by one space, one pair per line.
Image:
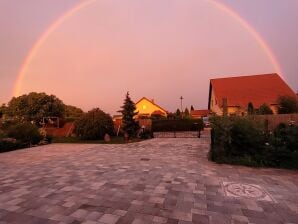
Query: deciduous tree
x=94 y=125
x=35 y=106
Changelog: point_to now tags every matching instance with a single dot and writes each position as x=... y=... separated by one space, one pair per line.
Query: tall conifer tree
x=129 y=124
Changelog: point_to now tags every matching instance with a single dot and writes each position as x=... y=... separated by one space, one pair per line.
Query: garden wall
x=275 y=119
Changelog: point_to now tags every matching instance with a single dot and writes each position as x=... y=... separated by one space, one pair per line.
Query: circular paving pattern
x=245 y=190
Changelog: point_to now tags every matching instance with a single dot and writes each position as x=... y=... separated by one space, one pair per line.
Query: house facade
x=235 y=93
x=147 y=108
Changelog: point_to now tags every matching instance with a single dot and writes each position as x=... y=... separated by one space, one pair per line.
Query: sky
x=158 y=49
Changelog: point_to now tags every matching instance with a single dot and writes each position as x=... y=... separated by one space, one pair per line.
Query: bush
x=287 y=104
x=6 y=146
x=265 y=109
x=245 y=142
x=94 y=125
x=26 y=133
x=283 y=150
x=146 y=134
x=234 y=139
x=177 y=125
x=246 y=137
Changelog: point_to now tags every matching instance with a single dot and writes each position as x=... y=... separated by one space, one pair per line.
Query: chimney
x=152 y=100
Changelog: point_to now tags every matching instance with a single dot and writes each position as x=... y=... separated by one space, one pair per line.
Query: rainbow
x=81 y=5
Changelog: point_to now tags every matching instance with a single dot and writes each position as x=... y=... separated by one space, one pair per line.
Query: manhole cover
x=145 y=159
x=241 y=190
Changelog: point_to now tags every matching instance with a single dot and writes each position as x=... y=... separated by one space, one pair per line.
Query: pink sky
x=156 y=49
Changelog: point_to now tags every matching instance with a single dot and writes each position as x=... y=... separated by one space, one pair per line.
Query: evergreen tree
x=250 y=108
x=178 y=113
x=191 y=108
x=186 y=113
x=225 y=107
x=129 y=124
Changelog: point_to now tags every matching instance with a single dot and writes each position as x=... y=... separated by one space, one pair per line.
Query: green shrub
x=242 y=141
x=265 y=109
x=26 y=133
x=177 y=125
x=49 y=138
x=2 y=134
x=94 y=125
x=284 y=146
x=246 y=137
x=287 y=104
x=6 y=146
x=146 y=134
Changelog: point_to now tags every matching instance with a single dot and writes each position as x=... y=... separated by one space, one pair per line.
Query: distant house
x=237 y=92
x=196 y=114
x=146 y=108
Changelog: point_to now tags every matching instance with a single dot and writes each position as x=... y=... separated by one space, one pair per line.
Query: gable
x=145 y=106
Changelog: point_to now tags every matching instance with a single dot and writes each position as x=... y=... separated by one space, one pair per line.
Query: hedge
x=246 y=142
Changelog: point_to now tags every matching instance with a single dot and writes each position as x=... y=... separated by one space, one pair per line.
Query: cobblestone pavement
x=155 y=181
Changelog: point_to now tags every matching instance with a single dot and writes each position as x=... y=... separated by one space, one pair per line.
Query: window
x=144 y=107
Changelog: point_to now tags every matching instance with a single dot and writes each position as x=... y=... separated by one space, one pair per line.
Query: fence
x=177 y=125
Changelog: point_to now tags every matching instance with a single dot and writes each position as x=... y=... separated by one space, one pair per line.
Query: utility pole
x=181 y=98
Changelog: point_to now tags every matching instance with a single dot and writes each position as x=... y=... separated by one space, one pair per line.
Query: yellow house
x=146 y=108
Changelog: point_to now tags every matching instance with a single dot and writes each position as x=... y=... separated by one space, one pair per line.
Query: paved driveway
x=155 y=181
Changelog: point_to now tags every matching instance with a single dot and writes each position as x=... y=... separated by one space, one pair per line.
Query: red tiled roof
x=65 y=131
x=199 y=113
x=257 y=89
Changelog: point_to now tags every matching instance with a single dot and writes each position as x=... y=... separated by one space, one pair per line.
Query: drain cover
x=241 y=190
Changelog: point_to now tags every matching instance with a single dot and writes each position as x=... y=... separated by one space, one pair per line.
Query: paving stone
x=158 y=219
x=109 y=218
x=79 y=214
x=93 y=216
x=200 y=219
x=120 y=212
